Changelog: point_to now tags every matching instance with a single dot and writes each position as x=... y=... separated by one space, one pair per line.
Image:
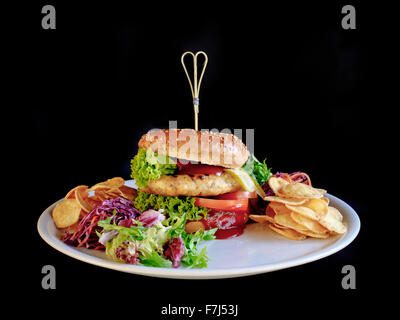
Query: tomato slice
x=225 y=219
x=226 y=205
x=237 y=195
x=199 y=169
x=228 y=233
x=230 y=224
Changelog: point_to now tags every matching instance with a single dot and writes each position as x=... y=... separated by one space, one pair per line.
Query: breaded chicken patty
x=193 y=185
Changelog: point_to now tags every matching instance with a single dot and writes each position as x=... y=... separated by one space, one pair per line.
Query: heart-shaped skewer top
x=195 y=85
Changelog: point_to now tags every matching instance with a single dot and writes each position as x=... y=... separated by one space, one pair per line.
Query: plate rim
x=205 y=273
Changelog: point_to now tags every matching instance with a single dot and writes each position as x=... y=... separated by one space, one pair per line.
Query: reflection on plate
x=258 y=250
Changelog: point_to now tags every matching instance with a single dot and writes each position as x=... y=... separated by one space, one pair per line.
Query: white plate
x=257 y=250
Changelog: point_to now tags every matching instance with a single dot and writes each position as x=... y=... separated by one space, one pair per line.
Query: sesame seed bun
x=212 y=148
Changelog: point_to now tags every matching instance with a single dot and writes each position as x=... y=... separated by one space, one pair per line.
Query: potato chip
x=82 y=197
x=293 y=202
x=279 y=208
x=321 y=191
x=310 y=224
x=315 y=235
x=298 y=190
x=318 y=205
x=304 y=211
x=287 y=221
x=335 y=212
x=112 y=195
x=113 y=190
x=128 y=193
x=279 y=226
x=66 y=213
x=71 y=193
x=261 y=218
x=331 y=221
x=98 y=186
x=97 y=190
x=325 y=199
x=110 y=183
x=299 y=210
x=288 y=233
x=106 y=193
x=110 y=189
x=100 y=195
x=276 y=183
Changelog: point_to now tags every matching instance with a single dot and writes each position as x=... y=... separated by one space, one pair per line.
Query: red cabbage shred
x=85 y=234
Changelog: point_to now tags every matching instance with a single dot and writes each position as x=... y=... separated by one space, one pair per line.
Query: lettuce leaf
x=192 y=258
x=147 y=166
x=155 y=260
x=258 y=170
x=134 y=232
x=173 y=206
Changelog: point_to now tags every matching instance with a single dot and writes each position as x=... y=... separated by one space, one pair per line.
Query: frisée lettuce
x=258 y=170
x=173 y=206
x=147 y=166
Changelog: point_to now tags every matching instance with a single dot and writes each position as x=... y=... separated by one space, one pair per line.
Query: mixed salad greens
x=145 y=238
x=152 y=240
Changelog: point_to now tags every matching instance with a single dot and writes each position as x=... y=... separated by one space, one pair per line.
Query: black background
x=88 y=90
